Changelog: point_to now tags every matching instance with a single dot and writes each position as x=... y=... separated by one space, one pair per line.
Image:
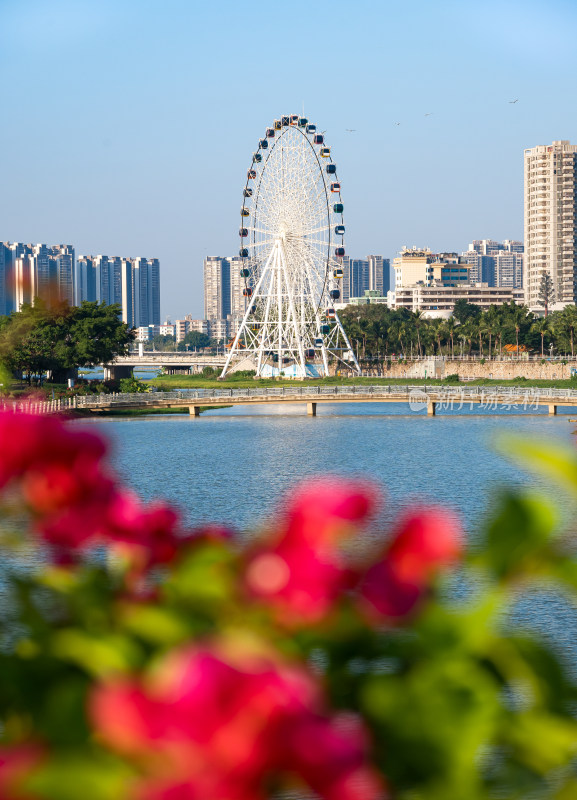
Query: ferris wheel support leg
x=298 y=337
x=264 y=333
x=279 y=312
x=348 y=344
x=243 y=323
x=325 y=361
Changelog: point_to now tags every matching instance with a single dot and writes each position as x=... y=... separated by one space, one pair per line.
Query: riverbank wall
x=472 y=370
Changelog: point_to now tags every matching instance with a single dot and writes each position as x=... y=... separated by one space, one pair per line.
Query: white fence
x=40 y=406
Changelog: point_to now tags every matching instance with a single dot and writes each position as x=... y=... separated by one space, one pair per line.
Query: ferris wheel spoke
x=258 y=230
x=317 y=230
x=261 y=244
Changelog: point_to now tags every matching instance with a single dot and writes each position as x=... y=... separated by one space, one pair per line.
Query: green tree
x=94 y=335
x=546 y=293
x=197 y=339
x=450 y=329
x=133 y=386
x=57 y=337
x=164 y=342
x=520 y=318
x=492 y=326
x=419 y=322
x=569 y=322
x=541 y=326
x=464 y=311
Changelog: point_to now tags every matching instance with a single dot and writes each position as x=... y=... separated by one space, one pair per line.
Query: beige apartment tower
x=550 y=224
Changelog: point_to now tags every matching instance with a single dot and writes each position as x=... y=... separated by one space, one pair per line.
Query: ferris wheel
x=291 y=252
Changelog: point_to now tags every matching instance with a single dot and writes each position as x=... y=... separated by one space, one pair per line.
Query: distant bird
x=351 y=130
x=430 y=114
x=397 y=123
x=514 y=101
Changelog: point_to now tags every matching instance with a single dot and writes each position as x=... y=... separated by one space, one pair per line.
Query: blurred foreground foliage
x=140 y=659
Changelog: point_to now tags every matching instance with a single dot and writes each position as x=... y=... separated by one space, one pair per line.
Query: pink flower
x=152 y=530
x=17 y=763
x=330 y=756
x=427 y=539
x=69 y=488
x=303 y=572
x=31 y=443
x=222 y=721
x=62 y=476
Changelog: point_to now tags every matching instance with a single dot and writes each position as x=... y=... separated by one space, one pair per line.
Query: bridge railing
x=196 y=396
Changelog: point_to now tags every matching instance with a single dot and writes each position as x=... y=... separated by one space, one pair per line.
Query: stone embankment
x=471 y=370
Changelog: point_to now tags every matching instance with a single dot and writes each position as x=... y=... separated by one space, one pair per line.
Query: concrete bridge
x=418 y=398
x=171 y=362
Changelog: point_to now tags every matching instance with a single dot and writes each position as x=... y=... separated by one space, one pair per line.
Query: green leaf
x=70 y=776
x=97 y=656
x=154 y=624
x=517 y=539
x=543 y=741
x=204 y=576
x=556 y=462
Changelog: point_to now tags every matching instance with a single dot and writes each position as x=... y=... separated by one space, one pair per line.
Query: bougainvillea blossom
x=303 y=570
x=426 y=540
x=214 y=717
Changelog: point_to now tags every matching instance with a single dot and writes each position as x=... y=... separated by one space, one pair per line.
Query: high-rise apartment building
x=238 y=302
x=35 y=270
x=361 y=275
x=550 y=222
x=217 y=287
x=379 y=274
x=355 y=277
x=127 y=292
x=62 y=273
x=496 y=263
x=85 y=279
x=133 y=283
x=99 y=279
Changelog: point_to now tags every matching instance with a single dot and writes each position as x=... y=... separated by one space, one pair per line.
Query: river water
x=231 y=465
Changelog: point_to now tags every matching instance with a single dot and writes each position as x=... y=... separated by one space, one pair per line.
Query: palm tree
x=397 y=331
x=541 y=326
x=492 y=326
x=451 y=326
x=481 y=328
x=364 y=326
x=375 y=332
x=468 y=332
x=517 y=315
x=437 y=331
x=418 y=317
x=404 y=334
x=569 y=321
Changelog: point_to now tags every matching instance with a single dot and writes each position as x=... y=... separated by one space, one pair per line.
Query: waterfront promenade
x=417 y=398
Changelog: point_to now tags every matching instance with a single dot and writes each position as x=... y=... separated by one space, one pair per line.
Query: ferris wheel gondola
x=292 y=252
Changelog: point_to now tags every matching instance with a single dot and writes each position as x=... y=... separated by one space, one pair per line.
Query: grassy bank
x=140 y=412
x=170 y=382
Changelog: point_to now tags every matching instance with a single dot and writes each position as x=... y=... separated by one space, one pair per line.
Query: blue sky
x=128 y=126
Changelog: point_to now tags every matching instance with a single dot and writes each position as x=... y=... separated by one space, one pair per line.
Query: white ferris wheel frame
x=291 y=268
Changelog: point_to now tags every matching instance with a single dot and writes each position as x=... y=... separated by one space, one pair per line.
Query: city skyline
x=54 y=273
x=155 y=158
